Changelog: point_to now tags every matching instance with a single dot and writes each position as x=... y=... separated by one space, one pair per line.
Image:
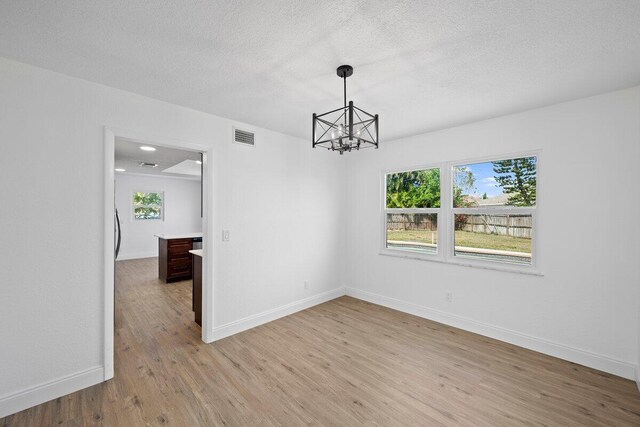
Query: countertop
x=178 y=236
x=197 y=252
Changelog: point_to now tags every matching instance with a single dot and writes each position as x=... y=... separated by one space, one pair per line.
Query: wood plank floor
x=345 y=362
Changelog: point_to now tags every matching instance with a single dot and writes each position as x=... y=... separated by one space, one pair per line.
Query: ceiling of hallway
x=421 y=65
x=129 y=156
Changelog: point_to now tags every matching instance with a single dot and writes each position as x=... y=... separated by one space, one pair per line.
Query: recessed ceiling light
x=120 y=170
x=147 y=148
x=198 y=162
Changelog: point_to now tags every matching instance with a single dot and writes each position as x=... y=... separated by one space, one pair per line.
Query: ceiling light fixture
x=198 y=162
x=120 y=170
x=346 y=128
x=147 y=148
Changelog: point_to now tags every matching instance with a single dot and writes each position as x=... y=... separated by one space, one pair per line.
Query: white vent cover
x=244 y=137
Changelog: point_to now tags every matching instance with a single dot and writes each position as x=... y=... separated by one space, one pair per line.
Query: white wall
x=181 y=212
x=585 y=307
x=278 y=199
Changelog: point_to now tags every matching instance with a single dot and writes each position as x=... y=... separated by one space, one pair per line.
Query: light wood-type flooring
x=342 y=363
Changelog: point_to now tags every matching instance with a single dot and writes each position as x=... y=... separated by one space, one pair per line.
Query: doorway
x=151 y=210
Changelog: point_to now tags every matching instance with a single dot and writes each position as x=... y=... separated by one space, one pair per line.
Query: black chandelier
x=346 y=128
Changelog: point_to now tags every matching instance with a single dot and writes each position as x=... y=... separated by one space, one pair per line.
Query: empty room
x=333 y=213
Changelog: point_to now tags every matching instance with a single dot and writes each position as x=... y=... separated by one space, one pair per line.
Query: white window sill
x=461 y=261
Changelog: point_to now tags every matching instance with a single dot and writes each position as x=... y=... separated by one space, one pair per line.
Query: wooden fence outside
x=505 y=225
x=412 y=222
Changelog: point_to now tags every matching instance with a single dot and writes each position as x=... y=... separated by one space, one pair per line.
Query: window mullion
x=412 y=210
x=444 y=230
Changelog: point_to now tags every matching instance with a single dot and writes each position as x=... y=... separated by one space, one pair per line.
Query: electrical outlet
x=226 y=235
x=448 y=297
x=306 y=284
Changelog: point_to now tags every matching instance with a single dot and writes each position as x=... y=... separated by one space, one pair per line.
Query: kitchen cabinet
x=196 y=299
x=174 y=259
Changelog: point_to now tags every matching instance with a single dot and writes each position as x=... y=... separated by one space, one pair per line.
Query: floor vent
x=244 y=137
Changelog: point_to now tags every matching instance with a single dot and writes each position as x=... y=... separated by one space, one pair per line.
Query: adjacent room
x=338 y=213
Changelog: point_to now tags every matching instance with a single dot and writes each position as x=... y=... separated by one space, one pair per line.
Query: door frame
x=110 y=135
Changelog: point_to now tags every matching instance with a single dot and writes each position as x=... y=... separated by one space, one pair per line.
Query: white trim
x=496 y=266
x=412 y=210
x=496 y=210
x=150 y=175
x=208 y=219
x=249 y=322
x=110 y=135
x=109 y=255
x=32 y=396
x=572 y=354
x=419 y=167
x=491 y=158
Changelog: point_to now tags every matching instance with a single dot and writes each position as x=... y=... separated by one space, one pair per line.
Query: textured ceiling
x=421 y=65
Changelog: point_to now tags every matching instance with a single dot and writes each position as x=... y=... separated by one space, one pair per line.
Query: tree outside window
x=147 y=205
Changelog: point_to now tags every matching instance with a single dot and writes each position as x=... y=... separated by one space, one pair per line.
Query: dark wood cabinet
x=174 y=259
x=196 y=301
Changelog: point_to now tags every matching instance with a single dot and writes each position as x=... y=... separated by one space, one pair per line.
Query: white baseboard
x=124 y=257
x=16 y=402
x=582 y=357
x=249 y=322
x=638 y=377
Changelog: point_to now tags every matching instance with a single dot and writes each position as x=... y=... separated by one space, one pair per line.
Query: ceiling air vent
x=148 y=165
x=244 y=137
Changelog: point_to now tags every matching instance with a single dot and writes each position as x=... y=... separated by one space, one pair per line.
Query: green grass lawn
x=466 y=239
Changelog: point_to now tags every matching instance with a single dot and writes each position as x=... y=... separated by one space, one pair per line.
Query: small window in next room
x=412 y=210
x=148 y=205
x=493 y=210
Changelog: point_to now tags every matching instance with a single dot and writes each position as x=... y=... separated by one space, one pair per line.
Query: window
x=411 y=211
x=148 y=205
x=487 y=217
x=493 y=207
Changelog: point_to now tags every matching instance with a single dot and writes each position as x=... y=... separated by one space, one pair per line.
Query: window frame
x=134 y=206
x=407 y=253
x=446 y=212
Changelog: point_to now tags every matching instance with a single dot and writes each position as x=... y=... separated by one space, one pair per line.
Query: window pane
x=146 y=199
x=413 y=232
x=499 y=183
x=496 y=237
x=414 y=189
x=147 y=213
